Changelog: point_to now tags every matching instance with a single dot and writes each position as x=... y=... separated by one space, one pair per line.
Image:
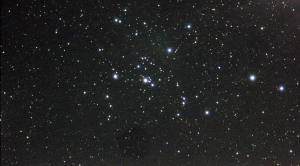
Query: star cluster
x=150 y=83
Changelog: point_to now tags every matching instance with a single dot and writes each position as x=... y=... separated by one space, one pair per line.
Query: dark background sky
x=150 y=82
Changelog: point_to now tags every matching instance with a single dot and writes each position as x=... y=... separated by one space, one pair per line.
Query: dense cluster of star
x=150 y=83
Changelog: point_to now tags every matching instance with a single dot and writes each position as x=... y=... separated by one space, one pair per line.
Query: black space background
x=47 y=119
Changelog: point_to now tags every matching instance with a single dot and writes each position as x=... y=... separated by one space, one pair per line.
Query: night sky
x=89 y=83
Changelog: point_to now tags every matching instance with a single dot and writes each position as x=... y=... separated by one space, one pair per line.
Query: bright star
x=252 y=77
x=116 y=76
x=207 y=112
x=281 y=88
x=145 y=80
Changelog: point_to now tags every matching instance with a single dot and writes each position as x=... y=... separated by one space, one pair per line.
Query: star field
x=150 y=83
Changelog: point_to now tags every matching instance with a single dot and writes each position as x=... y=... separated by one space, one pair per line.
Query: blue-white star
x=281 y=88
x=207 y=112
x=252 y=77
x=116 y=76
x=145 y=80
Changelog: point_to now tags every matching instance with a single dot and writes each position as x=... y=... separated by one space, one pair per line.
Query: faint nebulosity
x=150 y=82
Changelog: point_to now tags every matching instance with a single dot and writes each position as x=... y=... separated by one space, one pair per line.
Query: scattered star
x=145 y=80
x=115 y=76
x=252 y=77
x=207 y=112
x=281 y=88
